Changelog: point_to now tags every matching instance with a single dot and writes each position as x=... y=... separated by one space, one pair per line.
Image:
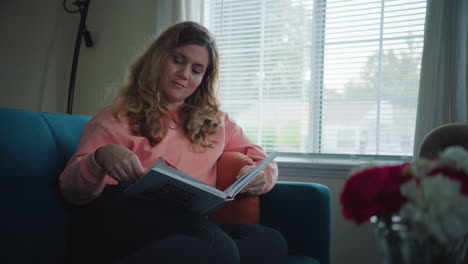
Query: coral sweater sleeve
x=83 y=179
x=237 y=141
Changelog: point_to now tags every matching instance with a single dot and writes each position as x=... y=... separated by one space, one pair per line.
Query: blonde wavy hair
x=142 y=101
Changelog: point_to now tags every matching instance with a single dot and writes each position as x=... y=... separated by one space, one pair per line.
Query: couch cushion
x=298 y=221
x=33 y=156
x=302 y=260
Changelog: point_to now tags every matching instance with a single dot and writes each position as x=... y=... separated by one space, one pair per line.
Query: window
x=323 y=76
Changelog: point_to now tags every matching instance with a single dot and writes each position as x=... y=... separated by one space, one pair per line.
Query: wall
x=38 y=39
x=36 y=51
x=121 y=29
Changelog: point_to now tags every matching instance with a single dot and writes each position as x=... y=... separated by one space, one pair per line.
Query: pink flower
x=374 y=191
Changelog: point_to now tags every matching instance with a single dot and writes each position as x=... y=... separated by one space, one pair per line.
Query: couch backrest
x=34 y=148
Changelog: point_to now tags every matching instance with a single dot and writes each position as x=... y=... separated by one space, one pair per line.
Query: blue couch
x=35 y=147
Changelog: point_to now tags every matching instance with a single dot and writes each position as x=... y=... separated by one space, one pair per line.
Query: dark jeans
x=119 y=229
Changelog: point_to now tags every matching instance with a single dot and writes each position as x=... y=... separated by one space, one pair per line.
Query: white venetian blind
x=334 y=76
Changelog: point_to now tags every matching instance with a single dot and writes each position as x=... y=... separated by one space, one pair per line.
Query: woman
x=167 y=109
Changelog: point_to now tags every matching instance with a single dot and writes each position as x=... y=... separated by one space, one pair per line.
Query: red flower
x=373 y=191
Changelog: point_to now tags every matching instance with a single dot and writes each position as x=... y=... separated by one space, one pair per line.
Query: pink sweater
x=83 y=180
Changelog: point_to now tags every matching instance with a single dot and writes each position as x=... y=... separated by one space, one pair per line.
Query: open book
x=168 y=184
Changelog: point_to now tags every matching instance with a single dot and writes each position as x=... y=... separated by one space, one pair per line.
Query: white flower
x=420 y=168
x=455 y=156
x=435 y=207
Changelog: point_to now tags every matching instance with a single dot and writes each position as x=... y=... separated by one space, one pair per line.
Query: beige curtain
x=443 y=85
x=169 y=12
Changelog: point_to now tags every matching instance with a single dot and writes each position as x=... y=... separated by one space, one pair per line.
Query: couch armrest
x=301 y=212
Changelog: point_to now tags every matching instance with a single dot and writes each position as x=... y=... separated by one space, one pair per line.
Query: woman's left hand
x=257 y=185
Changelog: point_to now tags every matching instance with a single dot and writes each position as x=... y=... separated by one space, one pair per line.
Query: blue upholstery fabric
x=302 y=260
x=34 y=149
x=301 y=211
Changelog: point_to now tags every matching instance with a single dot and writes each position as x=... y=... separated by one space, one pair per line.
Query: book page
x=237 y=186
x=165 y=169
x=176 y=192
x=163 y=165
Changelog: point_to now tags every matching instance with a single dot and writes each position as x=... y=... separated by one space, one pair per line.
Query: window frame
x=314 y=159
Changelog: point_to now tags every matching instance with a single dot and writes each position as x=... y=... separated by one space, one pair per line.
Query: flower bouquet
x=420 y=209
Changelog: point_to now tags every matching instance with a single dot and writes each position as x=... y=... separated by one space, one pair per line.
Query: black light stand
x=82 y=31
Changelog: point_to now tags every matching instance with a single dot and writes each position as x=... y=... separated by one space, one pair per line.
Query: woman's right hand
x=119 y=162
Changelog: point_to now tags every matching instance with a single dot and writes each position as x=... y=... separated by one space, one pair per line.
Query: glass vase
x=398 y=245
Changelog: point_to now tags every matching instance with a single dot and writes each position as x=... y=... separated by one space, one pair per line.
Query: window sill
x=329 y=166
